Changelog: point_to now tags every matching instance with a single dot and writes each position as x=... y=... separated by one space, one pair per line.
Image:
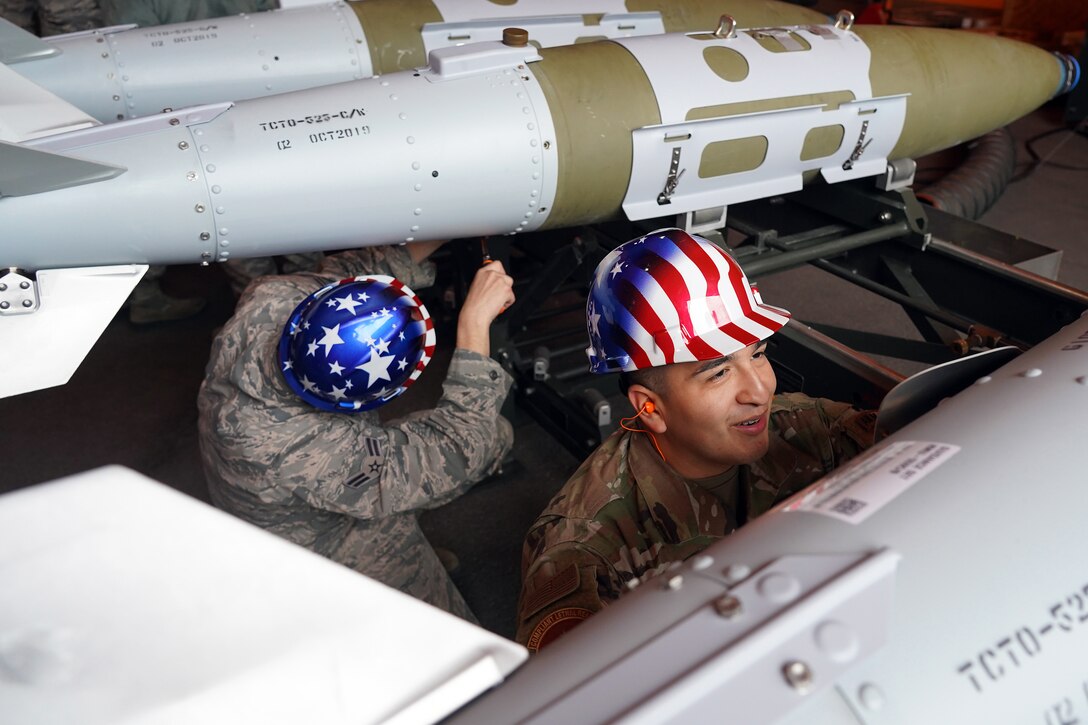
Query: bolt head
x=798 y=675
x=728 y=606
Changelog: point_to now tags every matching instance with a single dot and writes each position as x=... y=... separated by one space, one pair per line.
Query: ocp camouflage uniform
x=625 y=514
x=344 y=485
x=52 y=17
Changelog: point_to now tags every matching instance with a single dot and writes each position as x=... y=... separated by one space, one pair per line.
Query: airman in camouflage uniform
x=346 y=485
x=714 y=446
x=625 y=515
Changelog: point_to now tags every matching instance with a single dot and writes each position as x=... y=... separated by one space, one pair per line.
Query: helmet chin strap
x=647 y=407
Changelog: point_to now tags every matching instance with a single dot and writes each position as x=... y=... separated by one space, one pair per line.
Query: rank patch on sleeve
x=554 y=625
x=370 y=467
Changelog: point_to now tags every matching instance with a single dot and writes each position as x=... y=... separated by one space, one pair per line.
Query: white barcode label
x=867 y=483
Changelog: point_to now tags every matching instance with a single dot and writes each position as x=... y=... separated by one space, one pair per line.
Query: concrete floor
x=132 y=401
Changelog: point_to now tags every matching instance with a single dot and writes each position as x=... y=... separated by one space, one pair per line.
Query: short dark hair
x=652 y=378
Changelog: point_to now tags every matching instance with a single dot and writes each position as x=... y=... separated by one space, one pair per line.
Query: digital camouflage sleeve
x=343 y=485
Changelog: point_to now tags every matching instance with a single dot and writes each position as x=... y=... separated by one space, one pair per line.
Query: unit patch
x=555 y=625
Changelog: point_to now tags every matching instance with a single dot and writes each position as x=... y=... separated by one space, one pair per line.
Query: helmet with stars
x=356 y=344
x=671 y=297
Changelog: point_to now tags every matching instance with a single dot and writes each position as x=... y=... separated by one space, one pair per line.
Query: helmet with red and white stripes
x=671 y=297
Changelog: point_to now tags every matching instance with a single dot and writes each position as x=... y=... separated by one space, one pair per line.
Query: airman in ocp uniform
x=714 y=446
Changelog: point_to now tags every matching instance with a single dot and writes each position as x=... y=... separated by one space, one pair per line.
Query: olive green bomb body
x=962 y=84
x=949 y=86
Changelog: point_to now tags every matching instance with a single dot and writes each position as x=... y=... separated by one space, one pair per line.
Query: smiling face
x=711 y=415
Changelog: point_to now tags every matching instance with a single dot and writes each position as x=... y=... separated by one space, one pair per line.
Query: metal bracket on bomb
x=548 y=30
x=478 y=59
x=859 y=147
x=762 y=141
x=18 y=293
x=673 y=179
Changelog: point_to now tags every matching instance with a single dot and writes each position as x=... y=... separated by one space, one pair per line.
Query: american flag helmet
x=356 y=344
x=671 y=297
